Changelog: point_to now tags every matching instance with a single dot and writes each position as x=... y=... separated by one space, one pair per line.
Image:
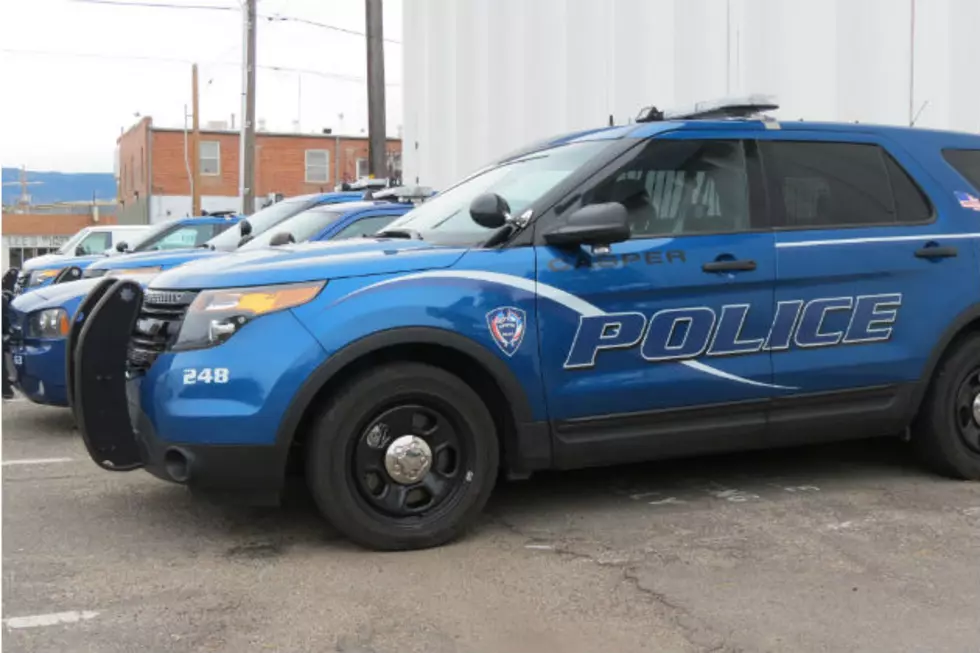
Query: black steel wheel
x=946 y=432
x=967 y=409
x=404 y=457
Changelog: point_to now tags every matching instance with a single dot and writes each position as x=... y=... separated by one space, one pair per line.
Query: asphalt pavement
x=840 y=548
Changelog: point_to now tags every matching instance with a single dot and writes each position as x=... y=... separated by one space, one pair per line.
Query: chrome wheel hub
x=408 y=459
x=976 y=409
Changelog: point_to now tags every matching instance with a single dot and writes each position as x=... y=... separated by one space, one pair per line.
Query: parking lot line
x=37 y=461
x=50 y=619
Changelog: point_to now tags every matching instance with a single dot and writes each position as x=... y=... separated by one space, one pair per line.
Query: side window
x=210 y=157
x=365 y=227
x=219 y=227
x=97 y=242
x=187 y=236
x=317 y=166
x=967 y=163
x=826 y=185
x=677 y=187
x=912 y=204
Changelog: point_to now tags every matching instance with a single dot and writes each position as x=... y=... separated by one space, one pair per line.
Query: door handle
x=935 y=252
x=729 y=266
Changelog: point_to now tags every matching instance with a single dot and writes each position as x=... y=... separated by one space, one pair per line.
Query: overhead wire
x=267 y=17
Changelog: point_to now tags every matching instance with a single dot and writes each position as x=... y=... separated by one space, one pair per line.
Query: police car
x=41 y=318
x=696 y=282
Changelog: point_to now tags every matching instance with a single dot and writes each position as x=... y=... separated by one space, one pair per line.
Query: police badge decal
x=507 y=326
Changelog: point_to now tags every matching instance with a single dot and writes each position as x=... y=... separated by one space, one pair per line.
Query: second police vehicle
x=696 y=282
x=41 y=318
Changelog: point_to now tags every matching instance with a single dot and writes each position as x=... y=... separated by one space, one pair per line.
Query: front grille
x=158 y=325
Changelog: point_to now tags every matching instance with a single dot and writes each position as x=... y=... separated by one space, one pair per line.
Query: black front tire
x=945 y=433
x=338 y=432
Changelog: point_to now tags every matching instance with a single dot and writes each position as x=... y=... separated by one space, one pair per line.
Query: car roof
x=352 y=207
x=946 y=138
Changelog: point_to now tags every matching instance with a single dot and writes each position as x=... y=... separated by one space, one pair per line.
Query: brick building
x=154 y=182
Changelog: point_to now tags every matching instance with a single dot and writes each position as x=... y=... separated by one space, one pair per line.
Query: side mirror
x=79 y=251
x=245 y=227
x=596 y=224
x=490 y=210
x=282 y=238
x=122 y=246
x=245 y=239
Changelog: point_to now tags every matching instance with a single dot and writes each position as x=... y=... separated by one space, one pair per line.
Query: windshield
x=446 y=216
x=302 y=226
x=69 y=247
x=260 y=221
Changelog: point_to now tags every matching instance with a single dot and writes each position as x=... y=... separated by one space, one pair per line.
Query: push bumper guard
x=98 y=344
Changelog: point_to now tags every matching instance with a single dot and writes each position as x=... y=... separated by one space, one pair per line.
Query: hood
x=52 y=296
x=167 y=259
x=45 y=261
x=57 y=262
x=65 y=295
x=311 y=261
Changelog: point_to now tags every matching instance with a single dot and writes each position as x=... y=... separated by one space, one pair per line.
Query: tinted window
x=912 y=204
x=967 y=163
x=681 y=187
x=827 y=185
x=365 y=227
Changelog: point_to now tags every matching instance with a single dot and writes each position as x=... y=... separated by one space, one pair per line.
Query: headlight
x=49 y=323
x=40 y=276
x=216 y=315
x=122 y=272
x=89 y=273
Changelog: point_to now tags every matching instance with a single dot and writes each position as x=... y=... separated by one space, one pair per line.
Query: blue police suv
x=694 y=282
x=172 y=234
x=41 y=318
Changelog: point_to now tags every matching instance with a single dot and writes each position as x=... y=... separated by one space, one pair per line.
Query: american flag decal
x=968 y=201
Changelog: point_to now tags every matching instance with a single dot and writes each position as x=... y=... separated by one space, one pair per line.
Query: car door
x=872 y=267
x=657 y=344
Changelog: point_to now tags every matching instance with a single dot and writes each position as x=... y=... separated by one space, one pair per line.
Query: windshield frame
x=613 y=149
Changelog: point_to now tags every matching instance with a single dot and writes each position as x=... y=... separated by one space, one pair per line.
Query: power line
x=272 y=18
x=188 y=62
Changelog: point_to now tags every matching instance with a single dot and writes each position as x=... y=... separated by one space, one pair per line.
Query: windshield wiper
x=399 y=233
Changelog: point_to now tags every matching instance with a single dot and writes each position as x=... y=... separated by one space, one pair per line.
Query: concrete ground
x=837 y=549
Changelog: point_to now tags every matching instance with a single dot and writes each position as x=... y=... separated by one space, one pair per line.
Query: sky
x=75 y=73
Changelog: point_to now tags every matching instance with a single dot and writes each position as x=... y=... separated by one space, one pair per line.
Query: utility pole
x=246 y=171
x=377 y=138
x=195 y=147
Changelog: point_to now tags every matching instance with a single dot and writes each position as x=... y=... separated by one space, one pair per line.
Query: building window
x=210 y=157
x=317 y=166
x=362 y=168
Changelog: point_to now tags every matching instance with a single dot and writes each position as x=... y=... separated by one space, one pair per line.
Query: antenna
x=25 y=197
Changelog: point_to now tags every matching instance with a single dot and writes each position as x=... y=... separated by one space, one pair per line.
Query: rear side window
x=967 y=163
x=828 y=185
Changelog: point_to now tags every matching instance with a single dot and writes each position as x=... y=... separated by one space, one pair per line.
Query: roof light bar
x=403 y=193
x=746 y=106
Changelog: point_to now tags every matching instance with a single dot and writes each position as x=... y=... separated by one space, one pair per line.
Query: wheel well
x=452 y=360
x=970 y=326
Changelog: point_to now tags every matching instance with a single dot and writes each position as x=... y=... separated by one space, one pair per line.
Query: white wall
x=169 y=207
x=484 y=77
